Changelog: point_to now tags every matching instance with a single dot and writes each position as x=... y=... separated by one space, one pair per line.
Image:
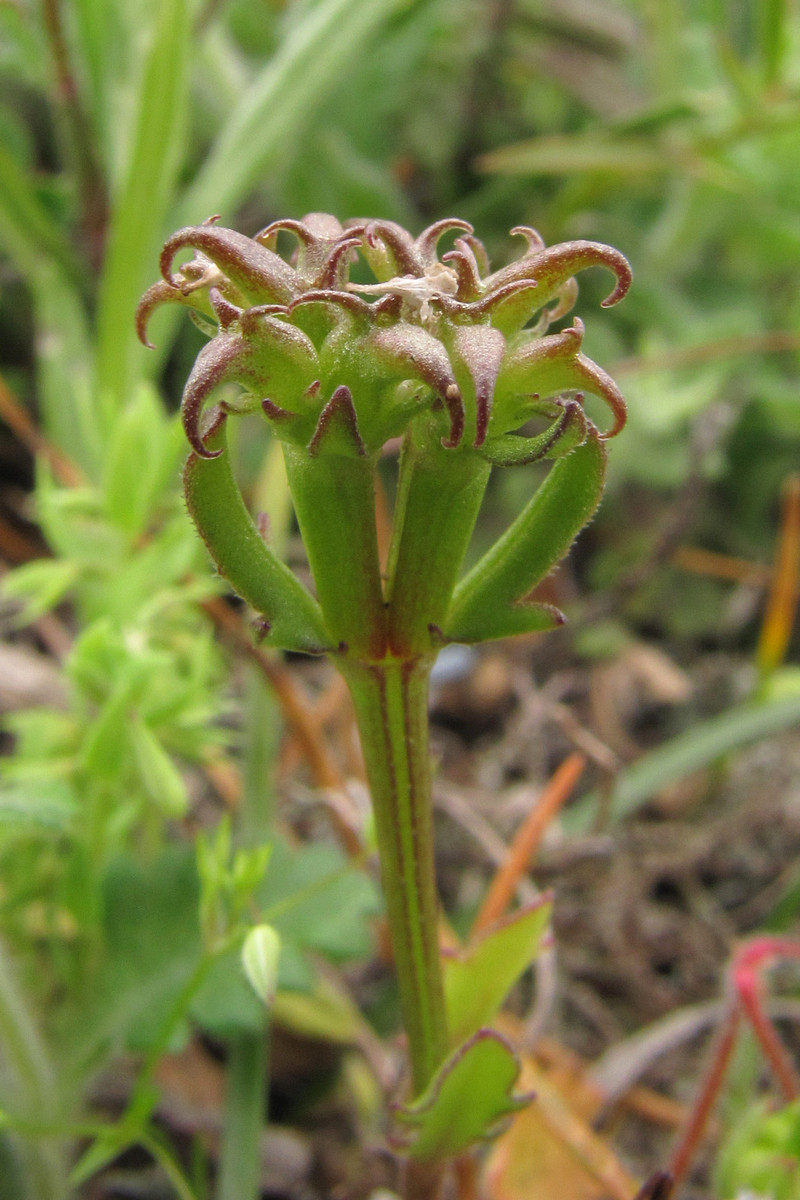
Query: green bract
x=441 y=351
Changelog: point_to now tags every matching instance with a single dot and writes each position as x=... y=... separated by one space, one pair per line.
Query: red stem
x=710 y=1086
x=748 y=962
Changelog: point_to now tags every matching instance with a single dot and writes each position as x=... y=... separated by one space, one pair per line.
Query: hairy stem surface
x=391 y=702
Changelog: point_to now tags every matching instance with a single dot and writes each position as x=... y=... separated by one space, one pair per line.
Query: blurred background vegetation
x=670 y=130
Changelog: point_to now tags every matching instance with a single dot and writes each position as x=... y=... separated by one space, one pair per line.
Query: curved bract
x=437 y=349
x=436 y=332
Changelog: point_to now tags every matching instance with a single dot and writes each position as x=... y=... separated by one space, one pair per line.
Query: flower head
x=443 y=335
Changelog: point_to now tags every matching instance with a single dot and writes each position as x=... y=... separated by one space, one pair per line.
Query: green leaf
x=98 y=46
x=140 y=208
x=41 y=584
x=39 y=806
x=106 y=1146
x=143 y=452
x=312 y=898
x=774 y=37
x=467 y=1098
x=761 y=1155
x=106 y=747
x=337 y=428
x=152 y=942
x=310 y=64
x=43 y=737
x=334 y=502
x=26 y=228
x=113 y=1139
x=439 y=496
x=513 y=450
x=70 y=412
x=226 y=1005
x=478 y=978
x=132 y=591
x=242 y=557
x=490 y=601
x=321 y=1011
x=318 y=901
x=72 y=521
x=64 y=380
x=161 y=779
x=698 y=747
x=23 y=50
x=563 y=154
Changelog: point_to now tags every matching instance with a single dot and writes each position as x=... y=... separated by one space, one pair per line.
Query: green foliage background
x=671 y=130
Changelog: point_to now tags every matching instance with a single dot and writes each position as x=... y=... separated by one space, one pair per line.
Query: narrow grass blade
x=565 y=155
x=312 y=61
x=27 y=230
x=139 y=216
x=690 y=751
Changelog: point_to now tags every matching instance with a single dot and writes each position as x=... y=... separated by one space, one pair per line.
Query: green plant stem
x=422 y=1180
x=247 y=1063
x=81 y=145
x=243 y=1120
x=391 y=703
x=30 y=1085
x=174 y=1174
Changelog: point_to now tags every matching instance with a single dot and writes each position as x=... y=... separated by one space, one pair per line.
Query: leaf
x=315 y=901
x=152 y=940
x=470 y=1093
x=324 y=1011
x=318 y=901
x=698 y=747
x=132 y=591
x=73 y=524
x=26 y=227
x=111 y=1140
x=226 y=1005
x=562 y=155
x=478 y=978
x=160 y=777
x=106 y=746
x=40 y=806
x=41 y=584
x=761 y=1154
x=139 y=214
x=311 y=63
x=490 y=601
x=142 y=456
x=107 y=1146
x=337 y=428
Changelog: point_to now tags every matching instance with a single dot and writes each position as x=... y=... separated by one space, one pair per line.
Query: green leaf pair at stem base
x=473 y=1088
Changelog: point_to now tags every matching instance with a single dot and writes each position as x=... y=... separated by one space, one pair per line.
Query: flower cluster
x=340 y=366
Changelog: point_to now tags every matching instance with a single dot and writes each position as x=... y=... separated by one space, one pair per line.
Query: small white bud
x=260 y=954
